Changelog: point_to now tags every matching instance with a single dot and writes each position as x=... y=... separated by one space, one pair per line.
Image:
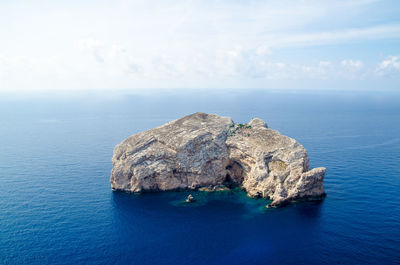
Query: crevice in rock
x=274 y=164
x=228 y=182
x=234 y=174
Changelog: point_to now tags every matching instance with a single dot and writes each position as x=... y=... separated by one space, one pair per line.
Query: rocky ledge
x=206 y=151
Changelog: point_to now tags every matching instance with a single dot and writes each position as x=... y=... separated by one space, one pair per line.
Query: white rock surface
x=208 y=151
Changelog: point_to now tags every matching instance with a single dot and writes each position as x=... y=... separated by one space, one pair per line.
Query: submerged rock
x=190 y=198
x=208 y=151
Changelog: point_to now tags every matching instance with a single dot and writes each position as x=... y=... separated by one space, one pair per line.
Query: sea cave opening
x=228 y=182
x=234 y=175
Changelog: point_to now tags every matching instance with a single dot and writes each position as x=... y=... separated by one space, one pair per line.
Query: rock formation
x=189 y=198
x=206 y=151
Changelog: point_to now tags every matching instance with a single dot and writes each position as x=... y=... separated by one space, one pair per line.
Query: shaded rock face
x=208 y=151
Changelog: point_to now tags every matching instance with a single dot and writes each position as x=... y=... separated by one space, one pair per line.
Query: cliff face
x=208 y=151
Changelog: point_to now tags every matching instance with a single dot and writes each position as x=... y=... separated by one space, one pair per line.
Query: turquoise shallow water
x=56 y=205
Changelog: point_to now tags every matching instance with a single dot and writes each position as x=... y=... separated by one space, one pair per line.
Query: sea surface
x=57 y=207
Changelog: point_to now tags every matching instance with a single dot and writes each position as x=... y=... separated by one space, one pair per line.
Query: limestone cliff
x=207 y=151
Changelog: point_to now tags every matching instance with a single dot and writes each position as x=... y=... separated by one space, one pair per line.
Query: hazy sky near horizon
x=144 y=44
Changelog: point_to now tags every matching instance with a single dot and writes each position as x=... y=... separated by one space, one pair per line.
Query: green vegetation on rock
x=236 y=128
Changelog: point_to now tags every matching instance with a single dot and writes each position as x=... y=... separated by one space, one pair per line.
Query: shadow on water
x=234 y=202
x=175 y=201
x=229 y=218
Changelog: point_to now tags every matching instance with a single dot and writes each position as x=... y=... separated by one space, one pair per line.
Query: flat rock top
x=179 y=132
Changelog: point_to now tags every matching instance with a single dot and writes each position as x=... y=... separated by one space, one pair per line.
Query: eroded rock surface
x=209 y=152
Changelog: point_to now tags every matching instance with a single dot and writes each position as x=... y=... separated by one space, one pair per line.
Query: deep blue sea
x=57 y=207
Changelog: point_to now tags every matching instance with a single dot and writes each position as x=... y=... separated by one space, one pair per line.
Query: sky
x=146 y=45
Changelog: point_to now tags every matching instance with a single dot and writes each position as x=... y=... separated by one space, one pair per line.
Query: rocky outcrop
x=189 y=198
x=206 y=151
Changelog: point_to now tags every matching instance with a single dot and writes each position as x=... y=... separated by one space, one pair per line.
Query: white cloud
x=352 y=64
x=325 y=64
x=139 y=44
x=336 y=36
x=389 y=65
x=95 y=47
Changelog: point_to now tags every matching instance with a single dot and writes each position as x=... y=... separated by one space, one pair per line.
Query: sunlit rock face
x=208 y=151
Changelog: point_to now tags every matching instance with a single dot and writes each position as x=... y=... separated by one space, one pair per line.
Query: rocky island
x=210 y=152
